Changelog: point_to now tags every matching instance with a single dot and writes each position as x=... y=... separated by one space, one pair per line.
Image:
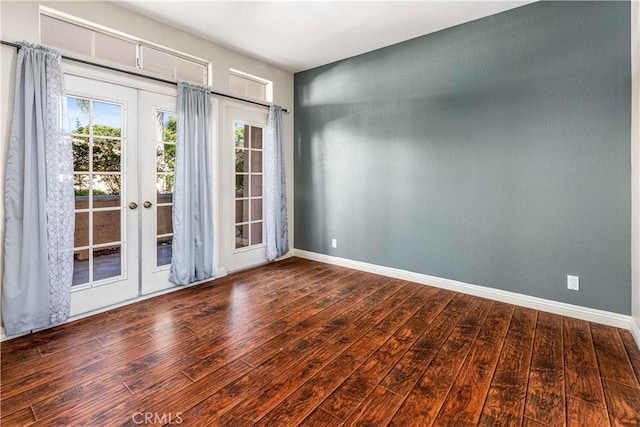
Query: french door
x=242 y=163
x=158 y=134
x=124 y=150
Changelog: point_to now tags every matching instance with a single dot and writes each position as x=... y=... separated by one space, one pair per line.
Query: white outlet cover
x=334 y=243
x=573 y=283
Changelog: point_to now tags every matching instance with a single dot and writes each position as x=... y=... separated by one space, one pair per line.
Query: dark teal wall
x=495 y=153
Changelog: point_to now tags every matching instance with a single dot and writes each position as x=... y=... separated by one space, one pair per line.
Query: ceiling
x=299 y=35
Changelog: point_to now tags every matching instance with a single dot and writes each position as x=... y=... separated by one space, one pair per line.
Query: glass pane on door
x=166 y=126
x=248 y=186
x=96 y=133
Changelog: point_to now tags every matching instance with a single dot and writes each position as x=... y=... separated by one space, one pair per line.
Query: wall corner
x=635 y=166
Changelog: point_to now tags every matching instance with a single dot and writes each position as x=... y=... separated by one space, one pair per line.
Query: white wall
x=635 y=170
x=20 y=21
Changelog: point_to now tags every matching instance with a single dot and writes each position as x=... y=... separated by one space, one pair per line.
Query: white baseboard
x=564 y=309
x=635 y=330
x=3 y=335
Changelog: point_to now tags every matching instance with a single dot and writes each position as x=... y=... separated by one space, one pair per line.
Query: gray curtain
x=192 y=202
x=275 y=196
x=39 y=200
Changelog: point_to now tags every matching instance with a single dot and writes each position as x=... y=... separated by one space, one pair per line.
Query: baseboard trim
x=564 y=309
x=4 y=337
x=635 y=330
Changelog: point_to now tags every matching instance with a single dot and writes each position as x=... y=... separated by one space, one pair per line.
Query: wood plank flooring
x=304 y=343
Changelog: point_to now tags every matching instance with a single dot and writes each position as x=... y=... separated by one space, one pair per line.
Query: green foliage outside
x=107 y=155
x=166 y=155
x=170 y=130
x=240 y=154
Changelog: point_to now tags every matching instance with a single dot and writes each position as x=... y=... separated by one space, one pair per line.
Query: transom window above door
x=250 y=86
x=249 y=230
x=78 y=36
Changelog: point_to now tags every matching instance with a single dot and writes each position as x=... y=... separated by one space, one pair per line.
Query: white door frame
x=102 y=76
x=89 y=297
x=152 y=278
x=235 y=259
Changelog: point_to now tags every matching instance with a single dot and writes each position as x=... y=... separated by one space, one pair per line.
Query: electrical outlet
x=334 y=243
x=573 y=283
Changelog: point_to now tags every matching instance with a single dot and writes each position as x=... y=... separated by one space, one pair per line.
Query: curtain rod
x=133 y=73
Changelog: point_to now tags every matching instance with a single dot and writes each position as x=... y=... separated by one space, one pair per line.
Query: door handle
x=147 y=204
x=133 y=205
